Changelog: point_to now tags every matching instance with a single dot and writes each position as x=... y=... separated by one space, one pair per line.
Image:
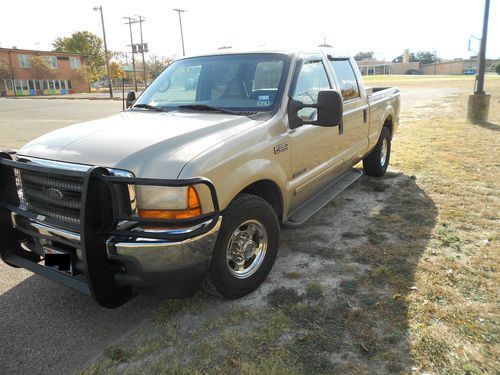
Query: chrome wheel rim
x=246 y=249
x=383 y=152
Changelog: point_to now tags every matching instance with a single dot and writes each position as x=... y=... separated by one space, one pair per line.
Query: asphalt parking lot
x=41 y=321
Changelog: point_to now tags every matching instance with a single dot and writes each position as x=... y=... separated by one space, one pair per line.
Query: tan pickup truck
x=194 y=180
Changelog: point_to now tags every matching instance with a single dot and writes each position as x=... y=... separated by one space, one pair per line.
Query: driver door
x=316 y=151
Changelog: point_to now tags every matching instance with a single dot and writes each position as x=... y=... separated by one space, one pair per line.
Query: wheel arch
x=388 y=123
x=268 y=190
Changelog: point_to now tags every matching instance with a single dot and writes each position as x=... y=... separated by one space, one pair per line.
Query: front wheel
x=246 y=247
x=376 y=163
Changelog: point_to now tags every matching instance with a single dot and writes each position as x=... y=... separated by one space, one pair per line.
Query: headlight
x=166 y=202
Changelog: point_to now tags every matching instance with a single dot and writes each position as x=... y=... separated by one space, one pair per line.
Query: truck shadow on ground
x=364 y=249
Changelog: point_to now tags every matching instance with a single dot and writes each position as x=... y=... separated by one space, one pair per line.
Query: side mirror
x=130 y=99
x=330 y=108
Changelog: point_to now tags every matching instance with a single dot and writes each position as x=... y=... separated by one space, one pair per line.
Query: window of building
x=346 y=78
x=24 y=61
x=45 y=84
x=9 y=84
x=25 y=84
x=63 y=84
x=18 y=84
x=51 y=60
x=51 y=84
x=38 y=84
x=57 y=84
x=74 y=62
x=70 y=85
x=31 y=84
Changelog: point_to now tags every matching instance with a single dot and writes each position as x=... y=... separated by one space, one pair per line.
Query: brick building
x=457 y=66
x=18 y=77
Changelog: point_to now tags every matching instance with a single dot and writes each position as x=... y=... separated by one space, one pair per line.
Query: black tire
x=245 y=207
x=372 y=164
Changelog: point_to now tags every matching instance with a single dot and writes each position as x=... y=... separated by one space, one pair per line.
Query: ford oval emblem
x=55 y=193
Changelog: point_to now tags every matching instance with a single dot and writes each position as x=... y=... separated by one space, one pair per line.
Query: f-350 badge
x=280 y=148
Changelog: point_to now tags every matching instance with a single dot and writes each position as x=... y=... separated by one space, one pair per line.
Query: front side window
x=346 y=79
x=239 y=82
x=24 y=61
x=310 y=80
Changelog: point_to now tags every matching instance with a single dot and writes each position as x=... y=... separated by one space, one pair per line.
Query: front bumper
x=150 y=262
x=112 y=254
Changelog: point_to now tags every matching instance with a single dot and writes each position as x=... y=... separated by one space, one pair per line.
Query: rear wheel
x=246 y=247
x=376 y=163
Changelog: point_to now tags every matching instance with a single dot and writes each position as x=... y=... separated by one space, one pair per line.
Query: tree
x=79 y=74
x=363 y=55
x=423 y=57
x=4 y=70
x=116 y=70
x=156 y=64
x=88 y=44
x=41 y=69
x=496 y=68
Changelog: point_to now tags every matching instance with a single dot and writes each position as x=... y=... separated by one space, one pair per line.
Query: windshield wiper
x=206 y=107
x=148 y=106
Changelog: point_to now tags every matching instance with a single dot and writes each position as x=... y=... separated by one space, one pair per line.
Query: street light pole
x=129 y=23
x=179 y=11
x=105 y=51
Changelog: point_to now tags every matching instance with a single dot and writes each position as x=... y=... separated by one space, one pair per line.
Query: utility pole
x=479 y=103
x=482 y=50
x=129 y=23
x=141 y=20
x=179 y=11
x=105 y=51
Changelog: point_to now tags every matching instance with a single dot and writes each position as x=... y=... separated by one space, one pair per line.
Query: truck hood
x=149 y=144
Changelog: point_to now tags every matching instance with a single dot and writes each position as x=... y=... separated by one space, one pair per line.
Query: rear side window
x=346 y=78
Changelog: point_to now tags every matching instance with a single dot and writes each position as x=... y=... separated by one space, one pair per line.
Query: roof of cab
x=289 y=52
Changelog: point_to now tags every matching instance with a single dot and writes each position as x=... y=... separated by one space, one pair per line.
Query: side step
x=308 y=209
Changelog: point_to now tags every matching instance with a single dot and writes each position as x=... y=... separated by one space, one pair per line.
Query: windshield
x=243 y=82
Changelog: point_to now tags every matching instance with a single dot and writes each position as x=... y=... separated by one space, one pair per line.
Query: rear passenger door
x=355 y=109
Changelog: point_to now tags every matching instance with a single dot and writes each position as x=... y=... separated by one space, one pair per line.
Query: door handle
x=365 y=115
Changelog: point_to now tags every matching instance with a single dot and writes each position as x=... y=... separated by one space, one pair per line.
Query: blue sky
x=383 y=26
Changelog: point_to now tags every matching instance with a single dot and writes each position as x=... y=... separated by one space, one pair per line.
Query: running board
x=308 y=209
